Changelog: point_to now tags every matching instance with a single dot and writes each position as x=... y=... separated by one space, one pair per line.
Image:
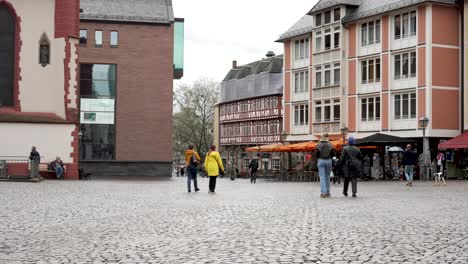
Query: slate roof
x=257 y=79
x=303 y=26
x=146 y=11
x=270 y=65
x=324 y=4
x=369 y=8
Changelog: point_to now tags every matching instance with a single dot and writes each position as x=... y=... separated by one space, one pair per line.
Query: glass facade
x=97 y=111
x=178 y=48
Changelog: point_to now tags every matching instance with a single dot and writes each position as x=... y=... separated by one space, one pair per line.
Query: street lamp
x=344 y=131
x=423 y=122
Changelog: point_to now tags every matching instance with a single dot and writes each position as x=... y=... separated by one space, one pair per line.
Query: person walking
x=324 y=153
x=410 y=159
x=35 y=158
x=351 y=162
x=253 y=166
x=214 y=167
x=192 y=159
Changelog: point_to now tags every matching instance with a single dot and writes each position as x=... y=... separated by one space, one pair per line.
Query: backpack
x=193 y=160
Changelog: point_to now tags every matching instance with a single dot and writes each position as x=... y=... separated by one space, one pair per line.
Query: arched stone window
x=7 y=55
x=44 y=50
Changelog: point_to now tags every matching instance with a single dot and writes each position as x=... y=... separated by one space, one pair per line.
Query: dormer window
x=318 y=20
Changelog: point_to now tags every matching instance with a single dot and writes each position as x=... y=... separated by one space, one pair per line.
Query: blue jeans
x=409 y=171
x=324 y=168
x=59 y=172
x=192 y=174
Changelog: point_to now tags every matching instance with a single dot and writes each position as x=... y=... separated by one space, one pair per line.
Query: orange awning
x=265 y=148
x=299 y=147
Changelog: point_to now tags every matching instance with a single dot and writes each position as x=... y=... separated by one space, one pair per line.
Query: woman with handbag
x=324 y=153
x=351 y=164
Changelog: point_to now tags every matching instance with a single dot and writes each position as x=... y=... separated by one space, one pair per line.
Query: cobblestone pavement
x=159 y=222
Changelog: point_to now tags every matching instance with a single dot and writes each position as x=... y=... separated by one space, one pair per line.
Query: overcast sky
x=220 y=31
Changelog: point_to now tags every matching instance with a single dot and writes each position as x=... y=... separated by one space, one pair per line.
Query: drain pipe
x=463 y=106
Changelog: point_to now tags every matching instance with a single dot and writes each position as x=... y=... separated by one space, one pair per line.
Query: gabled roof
x=146 y=11
x=303 y=26
x=324 y=4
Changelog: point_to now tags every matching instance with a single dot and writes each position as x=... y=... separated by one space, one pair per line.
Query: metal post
x=426 y=154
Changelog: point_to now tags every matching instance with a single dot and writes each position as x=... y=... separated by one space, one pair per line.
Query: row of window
x=114 y=38
x=327 y=17
x=325 y=111
x=266 y=103
x=275 y=164
x=328 y=74
x=244 y=129
x=329 y=110
x=325 y=76
x=325 y=41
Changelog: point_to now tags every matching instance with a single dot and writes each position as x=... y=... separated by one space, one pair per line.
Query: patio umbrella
x=395 y=149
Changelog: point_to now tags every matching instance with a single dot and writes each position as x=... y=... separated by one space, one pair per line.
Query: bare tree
x=193 y=120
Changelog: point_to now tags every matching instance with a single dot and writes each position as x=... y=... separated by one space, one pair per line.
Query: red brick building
x=250 y=111
x=126 y=80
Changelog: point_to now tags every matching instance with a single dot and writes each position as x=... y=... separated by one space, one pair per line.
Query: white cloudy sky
x=219 y=31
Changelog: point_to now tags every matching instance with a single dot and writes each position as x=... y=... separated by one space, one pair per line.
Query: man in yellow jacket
x=192 y=159
x=213 y=166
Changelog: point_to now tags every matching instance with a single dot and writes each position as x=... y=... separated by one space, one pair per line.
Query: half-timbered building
x=250 y=111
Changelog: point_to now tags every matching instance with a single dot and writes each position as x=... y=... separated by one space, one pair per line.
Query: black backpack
x=193 y=161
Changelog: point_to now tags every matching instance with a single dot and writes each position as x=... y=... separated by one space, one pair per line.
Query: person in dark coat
x=351 y=164
x=35 y=158
x=253 y=166
x=410 y=159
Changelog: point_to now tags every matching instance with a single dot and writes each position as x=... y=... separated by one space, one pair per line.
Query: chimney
x=270 y=54
x=234 y=64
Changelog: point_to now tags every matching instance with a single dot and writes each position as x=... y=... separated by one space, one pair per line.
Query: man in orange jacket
x=192 y=159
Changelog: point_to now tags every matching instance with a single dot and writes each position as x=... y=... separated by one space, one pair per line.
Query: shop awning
x=382 y=139
x=460 y=142
x=265 y=148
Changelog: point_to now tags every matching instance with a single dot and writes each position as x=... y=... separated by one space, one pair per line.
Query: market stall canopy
x=299 y=147
x=460 y=142
x=265 y=148
x=382 y=139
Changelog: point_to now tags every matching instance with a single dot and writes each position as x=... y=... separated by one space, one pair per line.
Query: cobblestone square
x=123 y=221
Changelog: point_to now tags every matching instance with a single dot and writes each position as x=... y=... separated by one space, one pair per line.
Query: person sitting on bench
x=58 y=167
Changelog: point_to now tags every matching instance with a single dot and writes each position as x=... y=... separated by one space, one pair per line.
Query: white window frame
x=301 y=115
x=412 y=61
x=336 y=30
x=301 y=49
x=321 y=105
x=327 y=33
x=412 y=99
x=375 y=106
x=376 y=33
x=367 y=63
x=408 y=23
x=301 y=82
x=275 y=164
x=321 y=71
x=318 y=41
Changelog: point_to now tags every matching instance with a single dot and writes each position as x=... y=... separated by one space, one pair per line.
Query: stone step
x=18 y=178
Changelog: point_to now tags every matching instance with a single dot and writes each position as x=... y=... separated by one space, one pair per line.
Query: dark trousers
x=353 y=184
x=192 y=175
x=212 y=185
